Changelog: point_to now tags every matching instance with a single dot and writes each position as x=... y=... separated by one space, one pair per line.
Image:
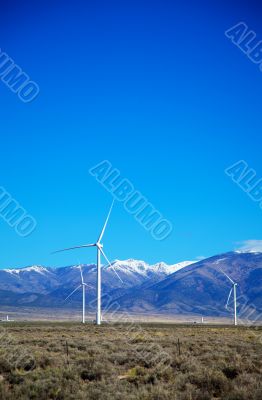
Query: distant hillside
x=41 y=286
x=183 y=288
x=201 y=287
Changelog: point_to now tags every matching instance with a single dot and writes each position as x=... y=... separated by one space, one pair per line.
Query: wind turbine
x=84 y=285
x=99 y=247
x=234 y=290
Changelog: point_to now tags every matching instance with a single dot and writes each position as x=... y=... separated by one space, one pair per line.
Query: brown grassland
x=148 y=361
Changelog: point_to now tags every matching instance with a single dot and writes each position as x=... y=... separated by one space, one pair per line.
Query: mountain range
x=44 y=286
x=202 y=288
x=183 y=288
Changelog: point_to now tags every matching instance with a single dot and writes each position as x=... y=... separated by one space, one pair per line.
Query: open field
x=28 y=314
x=148 y=361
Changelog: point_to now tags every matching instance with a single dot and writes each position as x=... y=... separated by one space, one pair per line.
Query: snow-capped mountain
x=136 y=272
x=34 y=268
x=33 y=279
x=140 y=267
x=202 y=288
x=48 y=286
x=181 y=288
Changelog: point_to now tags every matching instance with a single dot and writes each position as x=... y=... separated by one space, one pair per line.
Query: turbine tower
x=234 y=290
x=84 y=285
x=99 y=247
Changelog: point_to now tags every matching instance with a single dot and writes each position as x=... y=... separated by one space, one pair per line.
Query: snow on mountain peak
x=143 y=268
x=131 y=266
x=130 y=262
x=130 y=269
x=34 y=268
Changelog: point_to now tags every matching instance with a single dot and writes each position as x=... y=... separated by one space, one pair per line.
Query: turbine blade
x=111 y=265
x=227 y=276
x=229 y=298
x=91 y=287
x=104 y=227
x=72 y=292
x=73 y=248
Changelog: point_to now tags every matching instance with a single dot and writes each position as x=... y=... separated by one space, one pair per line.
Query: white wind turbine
x=84 y=285
x=234 y=290
x=100 y=251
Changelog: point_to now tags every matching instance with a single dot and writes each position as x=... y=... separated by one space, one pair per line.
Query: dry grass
x=151 y=362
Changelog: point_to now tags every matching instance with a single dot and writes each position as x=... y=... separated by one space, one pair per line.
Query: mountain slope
x=50 y=286
x=198 y=288
x=201 y=287
x=30 y=279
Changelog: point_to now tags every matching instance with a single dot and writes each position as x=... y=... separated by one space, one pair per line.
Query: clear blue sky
x=156 y=88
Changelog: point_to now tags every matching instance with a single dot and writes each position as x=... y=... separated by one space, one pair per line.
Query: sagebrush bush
x=75 y=362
